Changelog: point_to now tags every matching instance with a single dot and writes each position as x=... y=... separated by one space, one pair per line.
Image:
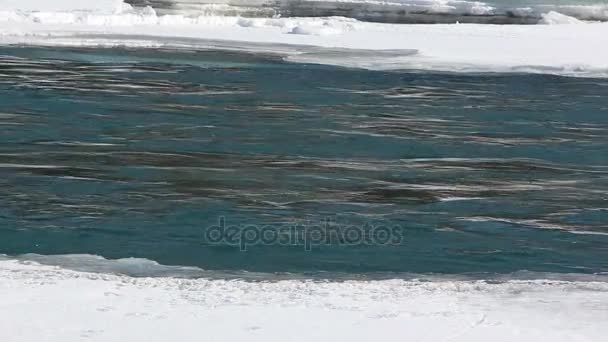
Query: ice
x=553 y=18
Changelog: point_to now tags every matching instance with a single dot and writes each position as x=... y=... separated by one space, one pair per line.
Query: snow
x=320 y=30
x=553 y=18
x=570 y=49
x=50 y=303
x=511 y=11
x=108 y=6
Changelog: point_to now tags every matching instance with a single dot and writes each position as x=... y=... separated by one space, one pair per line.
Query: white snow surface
x=49 y=303
x=574 y=48
x=108 y=6
x=553 y=18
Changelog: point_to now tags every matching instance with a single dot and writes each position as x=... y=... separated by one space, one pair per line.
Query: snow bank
x=553 y=18
x=54 y=304
x=571 y=50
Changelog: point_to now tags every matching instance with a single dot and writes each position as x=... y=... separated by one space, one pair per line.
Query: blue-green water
x=126 y=153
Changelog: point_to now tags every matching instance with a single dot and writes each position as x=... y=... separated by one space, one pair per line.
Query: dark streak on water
x=133 y=153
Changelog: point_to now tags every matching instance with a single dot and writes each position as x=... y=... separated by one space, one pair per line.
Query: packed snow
x=51 y=303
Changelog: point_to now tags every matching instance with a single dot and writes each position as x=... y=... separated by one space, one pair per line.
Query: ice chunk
x=553 y=18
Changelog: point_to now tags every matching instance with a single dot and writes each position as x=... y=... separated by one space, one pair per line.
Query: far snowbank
x=53 y=304
x=108 y=6
x=393 y=11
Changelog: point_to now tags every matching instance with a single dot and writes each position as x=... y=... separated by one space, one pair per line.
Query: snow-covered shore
x=54 y=304
x=572 y=48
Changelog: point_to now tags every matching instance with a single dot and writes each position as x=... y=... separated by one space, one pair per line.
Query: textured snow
x=49 y=303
